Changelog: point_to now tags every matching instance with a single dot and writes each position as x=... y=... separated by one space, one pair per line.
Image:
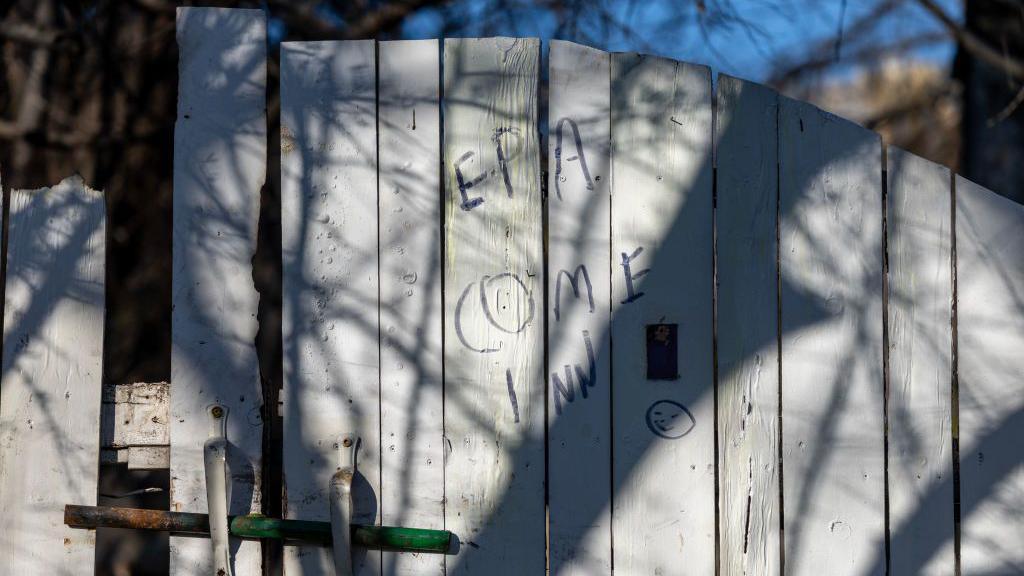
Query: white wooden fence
x=734 y=331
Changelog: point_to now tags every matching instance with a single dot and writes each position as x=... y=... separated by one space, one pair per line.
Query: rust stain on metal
x=81 y=517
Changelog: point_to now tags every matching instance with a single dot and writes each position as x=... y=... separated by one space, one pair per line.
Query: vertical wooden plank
x=412 y=456
x=663 y=445
x=920 y=314
x=990 y=338
x=329 y=258
x=579 y=392
x=830 y=233
x=219 y=168
x=494 y=405
x=52 y=372
x=748 y=394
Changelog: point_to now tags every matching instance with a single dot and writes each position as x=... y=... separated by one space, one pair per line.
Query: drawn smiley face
x=670 y=419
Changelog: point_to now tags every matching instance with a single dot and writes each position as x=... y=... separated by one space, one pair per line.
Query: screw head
x=347 y=442
x=217 y=412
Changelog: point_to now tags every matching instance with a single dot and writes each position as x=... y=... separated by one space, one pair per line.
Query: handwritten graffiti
x=564 y=390
x=467 y=203
x=485 y=283
x=512 y=394
x=627 y=259
x=580 y=157
x=504 y=155
x=517 y=298
x=670 y=419
x=500 y=151
x=574 y=283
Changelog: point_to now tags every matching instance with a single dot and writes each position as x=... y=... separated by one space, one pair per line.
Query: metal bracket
x=215 y=452
x=341 y=504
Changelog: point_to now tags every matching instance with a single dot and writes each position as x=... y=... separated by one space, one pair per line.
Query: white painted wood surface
x=748 y=394
x=329 y=254
x=363 y=341
x=664 y=504
x=219 y=168
x=412 y=427
x=579 y=378
x=494 y=381
x=830 y=232
x=134 y=427
x=920 y=365
x=52 y=375
x=990 y=341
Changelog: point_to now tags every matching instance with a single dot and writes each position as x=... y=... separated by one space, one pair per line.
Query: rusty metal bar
x=255 y=526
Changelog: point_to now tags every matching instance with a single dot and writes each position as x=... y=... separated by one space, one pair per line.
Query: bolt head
x=347 y=442
x=217 y=412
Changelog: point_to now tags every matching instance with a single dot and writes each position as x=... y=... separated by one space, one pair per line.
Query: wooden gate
x=731 y=330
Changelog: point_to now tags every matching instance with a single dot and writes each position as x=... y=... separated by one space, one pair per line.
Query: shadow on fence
x=807 y=305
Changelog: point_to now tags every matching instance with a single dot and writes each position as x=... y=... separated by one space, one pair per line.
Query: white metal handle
x=341 y=505
x=215 y=463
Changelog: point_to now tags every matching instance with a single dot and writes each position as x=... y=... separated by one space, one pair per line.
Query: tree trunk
x=992 y=128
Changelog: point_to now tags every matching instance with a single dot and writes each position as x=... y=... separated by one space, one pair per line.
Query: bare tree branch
x=386 y=17
x=869 y=53
x=302 y=16
x=18 y=32
x=1009 y=109
x=922 y=101
x=825 y=50
x=32 y=102
x=976 y=46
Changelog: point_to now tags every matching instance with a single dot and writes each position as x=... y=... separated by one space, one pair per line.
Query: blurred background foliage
x=91 y=87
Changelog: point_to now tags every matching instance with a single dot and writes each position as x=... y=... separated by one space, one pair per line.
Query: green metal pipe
x=256 y=526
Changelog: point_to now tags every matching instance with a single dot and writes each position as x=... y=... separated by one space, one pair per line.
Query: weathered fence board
x=579 y=391
x=134 y=428
x=748 y=306
x=494 y=403
x=830 y=231
x=448 y=391
x=920 y=309
x=219 y=167
x=662 y=399
x=330 y=288
x=990 y=341
x=52 y=375
x=412 y=428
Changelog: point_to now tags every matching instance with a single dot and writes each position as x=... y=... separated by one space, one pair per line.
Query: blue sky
x=745 y=38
